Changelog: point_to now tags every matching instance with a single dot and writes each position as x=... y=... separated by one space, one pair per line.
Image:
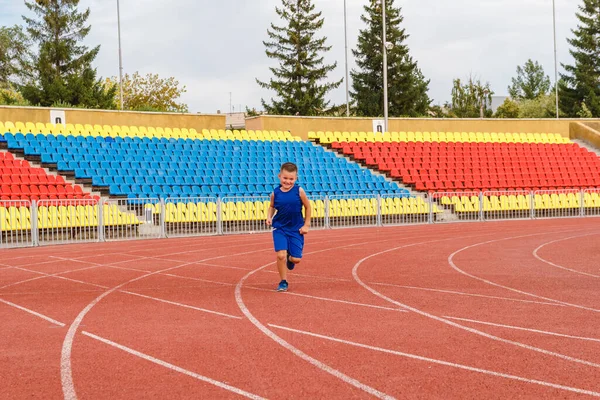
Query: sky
x=215 y=47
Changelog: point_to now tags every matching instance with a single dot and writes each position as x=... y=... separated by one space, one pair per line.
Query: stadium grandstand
x=108 y=181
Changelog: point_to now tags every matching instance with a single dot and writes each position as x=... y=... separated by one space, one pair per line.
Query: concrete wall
x=128 y=118
x=300 y=126
x=588 y=131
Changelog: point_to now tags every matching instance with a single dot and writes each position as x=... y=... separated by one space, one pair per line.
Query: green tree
x=407 y=88
x=15 y=56
x=10 y=97
x=149 y=93
x=437 y=111
x=471 y=99
x=62 y=68
x=298 y=80
x=508 y=109
x=251 y=112
x=581 y=82
x=530 y=82
x=584 y=112
x=540 y=107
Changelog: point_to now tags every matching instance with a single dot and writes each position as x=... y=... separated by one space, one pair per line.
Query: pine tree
x=530 y=83
x=581 y=83
x=407 y=88
x=15 y=56
x=62 y=68
x=298 y=80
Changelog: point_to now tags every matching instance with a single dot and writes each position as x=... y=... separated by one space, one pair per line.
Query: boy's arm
x=307 y=208
x=270 y=212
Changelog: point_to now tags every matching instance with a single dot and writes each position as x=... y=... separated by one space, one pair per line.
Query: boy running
x=289 y=226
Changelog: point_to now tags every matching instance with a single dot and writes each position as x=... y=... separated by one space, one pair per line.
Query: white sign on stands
x=58 y=117
x=378 y=125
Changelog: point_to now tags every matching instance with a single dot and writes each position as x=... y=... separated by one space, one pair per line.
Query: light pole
x=120 y=57
x=385 y=84
x=346 y=55
x=555 y=56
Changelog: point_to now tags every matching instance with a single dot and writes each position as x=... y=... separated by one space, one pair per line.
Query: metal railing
x=558 y=204
x=65 y=221
x=126 y=219
x=25 y=223
x=243 y=214
x=195 y=216
x=457 y=206
x=503 y=205
x=16 y=224
x=400 y=210
x=356 y=210
x=591 y=203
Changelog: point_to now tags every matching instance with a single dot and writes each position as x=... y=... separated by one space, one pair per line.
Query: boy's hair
x=289 y=167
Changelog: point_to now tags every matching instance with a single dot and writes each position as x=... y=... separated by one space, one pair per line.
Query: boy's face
x=287 y=179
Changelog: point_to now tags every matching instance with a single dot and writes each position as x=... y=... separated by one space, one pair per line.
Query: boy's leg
x=289 y=263
x=281 y=246
x=282 y=264
x=295 y=247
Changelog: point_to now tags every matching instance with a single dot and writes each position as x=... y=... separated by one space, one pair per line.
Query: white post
x=555 y=57
x=385 y=83
x=120 y=57
x=346 y=56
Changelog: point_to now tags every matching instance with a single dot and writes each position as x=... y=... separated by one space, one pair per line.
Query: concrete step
x=588 y=146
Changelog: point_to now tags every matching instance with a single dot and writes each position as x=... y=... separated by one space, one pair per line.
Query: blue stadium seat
x=185 y=167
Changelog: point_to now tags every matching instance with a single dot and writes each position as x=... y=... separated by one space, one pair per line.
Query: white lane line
x=440 y=362
x=66 y=370
x=454 y=324
x=42 y=275
x=182 y=305
x=27 y=310
x=331 y=300
x=536 y=255
x=59 y=276
x=173 y=367
x=455 y=267
x=466 y=294
x=523 y=329
x=136 y=353
x=127 y=269
x=133 y=293
x=297 y=352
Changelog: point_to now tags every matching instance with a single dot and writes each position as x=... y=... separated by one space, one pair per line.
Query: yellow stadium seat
x=30 y=128
x=20 y=127
x=10 y=127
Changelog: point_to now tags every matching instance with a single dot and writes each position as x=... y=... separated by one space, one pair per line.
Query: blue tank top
x=289 y=209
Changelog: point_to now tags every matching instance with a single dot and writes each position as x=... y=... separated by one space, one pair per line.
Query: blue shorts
x=291 y=241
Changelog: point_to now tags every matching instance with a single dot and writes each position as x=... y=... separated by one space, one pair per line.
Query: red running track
x=494 y=310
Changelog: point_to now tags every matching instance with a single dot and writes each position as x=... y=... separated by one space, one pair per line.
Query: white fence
x=47 y=222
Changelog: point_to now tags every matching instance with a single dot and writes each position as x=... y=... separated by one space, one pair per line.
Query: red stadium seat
x=496 y=166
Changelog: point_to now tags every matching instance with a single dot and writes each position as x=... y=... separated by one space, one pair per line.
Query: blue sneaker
x=290 y=265
x=283 y=286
